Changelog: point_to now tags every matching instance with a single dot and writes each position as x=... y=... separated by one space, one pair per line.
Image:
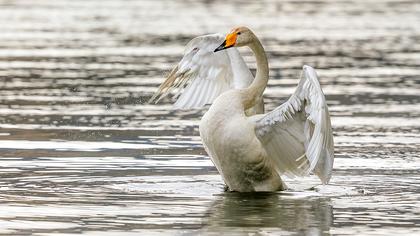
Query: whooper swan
x=251 y=152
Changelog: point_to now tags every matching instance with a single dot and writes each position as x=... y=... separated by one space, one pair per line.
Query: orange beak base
x=228 y=43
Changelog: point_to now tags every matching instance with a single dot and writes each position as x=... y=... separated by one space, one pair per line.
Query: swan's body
x=252 y=151
x=229 y=138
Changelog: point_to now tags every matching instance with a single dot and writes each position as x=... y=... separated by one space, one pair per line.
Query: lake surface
x=81 y=152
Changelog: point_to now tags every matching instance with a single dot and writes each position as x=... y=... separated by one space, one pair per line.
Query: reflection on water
x=80 y=152
x=243 y=214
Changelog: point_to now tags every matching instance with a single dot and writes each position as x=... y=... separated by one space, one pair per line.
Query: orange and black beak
x=228 y=43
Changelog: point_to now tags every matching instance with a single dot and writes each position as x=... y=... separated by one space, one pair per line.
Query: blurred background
x=81 y=151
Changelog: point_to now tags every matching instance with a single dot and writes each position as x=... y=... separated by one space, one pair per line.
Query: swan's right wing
x=297 y=135
x=202 y=75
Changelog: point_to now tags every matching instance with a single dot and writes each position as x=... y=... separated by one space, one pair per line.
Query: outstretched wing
x=202 y=75
x=297 y=135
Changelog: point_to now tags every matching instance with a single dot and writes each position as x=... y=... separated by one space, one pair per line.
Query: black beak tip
x=221 y=47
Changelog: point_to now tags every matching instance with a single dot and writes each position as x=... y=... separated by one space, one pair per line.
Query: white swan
x=251 y=152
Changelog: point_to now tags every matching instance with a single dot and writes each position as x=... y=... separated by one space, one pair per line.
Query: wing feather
x=297 y=135
x=202 y=75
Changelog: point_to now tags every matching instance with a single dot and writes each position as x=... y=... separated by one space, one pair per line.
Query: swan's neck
x=257 y=87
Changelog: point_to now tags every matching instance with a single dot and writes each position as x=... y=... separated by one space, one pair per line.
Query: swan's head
x=238 y=37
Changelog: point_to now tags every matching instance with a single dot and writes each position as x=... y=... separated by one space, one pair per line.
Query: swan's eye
x=239 y=33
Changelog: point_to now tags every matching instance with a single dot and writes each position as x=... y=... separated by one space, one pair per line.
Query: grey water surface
x=81 y=151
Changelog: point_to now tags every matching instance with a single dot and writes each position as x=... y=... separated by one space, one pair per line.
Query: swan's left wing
x=297 y=135
x=202 y=75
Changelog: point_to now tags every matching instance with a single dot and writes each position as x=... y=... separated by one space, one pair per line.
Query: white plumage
x=202 y=75
x=251 y=151
x=297 y=135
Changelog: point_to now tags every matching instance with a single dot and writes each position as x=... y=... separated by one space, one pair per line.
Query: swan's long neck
x=257 y=87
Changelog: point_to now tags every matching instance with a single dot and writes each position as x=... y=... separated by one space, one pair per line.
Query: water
x=80 y=152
